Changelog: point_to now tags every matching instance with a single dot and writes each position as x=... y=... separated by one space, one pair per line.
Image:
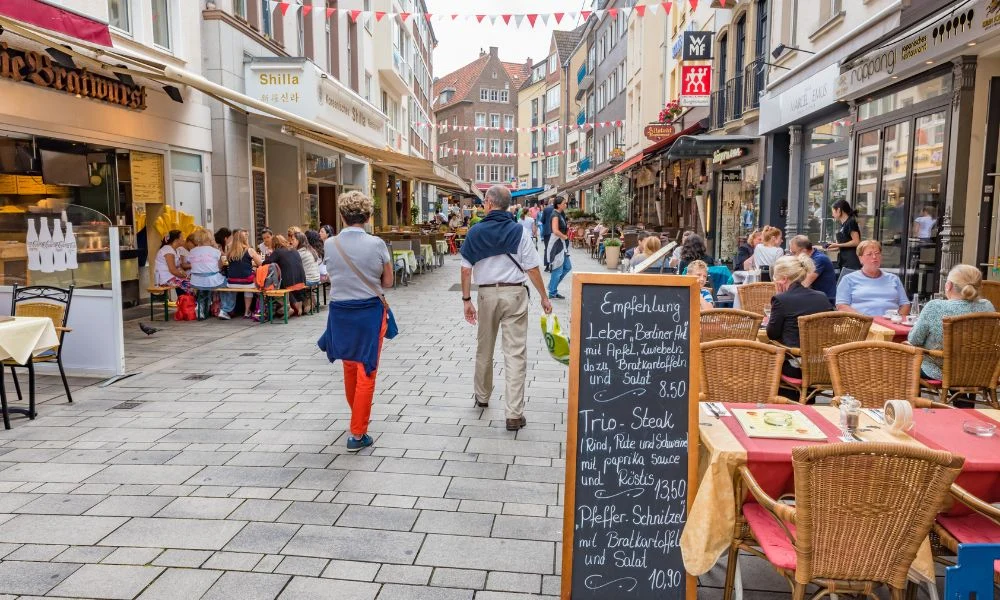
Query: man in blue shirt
x=546 y=230
x=824 y=279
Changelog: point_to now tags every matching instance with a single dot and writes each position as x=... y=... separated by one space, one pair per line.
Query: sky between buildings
x=459 y=42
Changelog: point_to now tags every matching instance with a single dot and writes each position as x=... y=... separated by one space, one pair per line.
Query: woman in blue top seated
x=871 y=291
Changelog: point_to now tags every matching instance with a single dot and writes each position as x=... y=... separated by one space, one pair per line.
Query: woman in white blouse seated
x=766 y=252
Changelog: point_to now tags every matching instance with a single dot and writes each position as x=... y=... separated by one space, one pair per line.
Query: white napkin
x=720 y=410
x=876 y=414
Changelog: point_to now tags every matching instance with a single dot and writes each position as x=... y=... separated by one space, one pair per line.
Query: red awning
x=664 y=143
x=54 y=18
x=628 y=163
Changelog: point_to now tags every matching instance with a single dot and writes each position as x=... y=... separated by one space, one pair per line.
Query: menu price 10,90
x=630 y=475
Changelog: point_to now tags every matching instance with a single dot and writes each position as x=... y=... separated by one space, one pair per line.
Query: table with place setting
x=21 y=339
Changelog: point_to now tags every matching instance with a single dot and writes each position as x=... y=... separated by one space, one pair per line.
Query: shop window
x=119 y=15
x=161 y=23
x=183 y=161
x=824 y=135
x=915 y=94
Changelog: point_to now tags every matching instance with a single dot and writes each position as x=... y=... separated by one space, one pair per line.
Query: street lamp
x=780 y=48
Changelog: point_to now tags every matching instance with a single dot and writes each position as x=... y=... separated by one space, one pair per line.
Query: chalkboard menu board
x=632 y=442
x=259 y=201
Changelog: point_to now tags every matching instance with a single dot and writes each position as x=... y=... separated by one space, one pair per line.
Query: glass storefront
x=899 y=178
x=826 y=173
x=739 y=208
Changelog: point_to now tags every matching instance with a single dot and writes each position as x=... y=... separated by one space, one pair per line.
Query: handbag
x=555 y=340
x=391 y=329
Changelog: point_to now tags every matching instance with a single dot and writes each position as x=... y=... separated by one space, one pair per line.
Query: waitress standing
x=848 y=237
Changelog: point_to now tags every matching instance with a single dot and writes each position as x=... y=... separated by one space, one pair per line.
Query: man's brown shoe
x=479 y=404
x=515 y=424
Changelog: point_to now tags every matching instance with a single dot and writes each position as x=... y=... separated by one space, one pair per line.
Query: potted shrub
x=612 y=208
x=414 y=214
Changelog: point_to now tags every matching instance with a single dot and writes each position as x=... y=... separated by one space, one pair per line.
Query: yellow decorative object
x=174 y=219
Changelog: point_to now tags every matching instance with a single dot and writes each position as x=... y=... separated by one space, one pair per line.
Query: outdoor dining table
x=409 y=257
x=442 y=246
x=900 y=331
x=427 y=252
x=23 y=337
x=724 y=448
x=877 y=333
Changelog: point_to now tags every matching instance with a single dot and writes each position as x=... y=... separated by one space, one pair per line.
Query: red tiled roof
x=463 y=79
x=518 y=73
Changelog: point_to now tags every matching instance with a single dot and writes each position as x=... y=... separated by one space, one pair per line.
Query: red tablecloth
x=941 y=429
x=769 y=460
x=900 y=330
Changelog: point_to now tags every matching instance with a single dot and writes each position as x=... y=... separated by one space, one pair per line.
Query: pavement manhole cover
x=126 y=405
x=197 y=377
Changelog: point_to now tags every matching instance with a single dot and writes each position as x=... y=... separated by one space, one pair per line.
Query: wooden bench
x=158 y=293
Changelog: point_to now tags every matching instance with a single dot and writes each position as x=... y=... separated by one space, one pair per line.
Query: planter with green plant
x=612 y=205
x=414 y=214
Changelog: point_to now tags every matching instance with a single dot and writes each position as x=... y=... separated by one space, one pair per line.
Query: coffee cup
x=898 y=416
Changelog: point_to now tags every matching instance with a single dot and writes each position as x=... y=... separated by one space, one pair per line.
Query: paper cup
x=898 y=416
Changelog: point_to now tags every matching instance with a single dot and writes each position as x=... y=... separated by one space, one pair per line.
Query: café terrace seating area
x=891 y=474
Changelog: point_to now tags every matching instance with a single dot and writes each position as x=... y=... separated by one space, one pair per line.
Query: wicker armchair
x=991 y=291
x=740 y=371
x=817 y=333
x=980 y=526
x=729 y=324
x=970 y=358
x=874 y=372
x=861 y=512
x=756 y=297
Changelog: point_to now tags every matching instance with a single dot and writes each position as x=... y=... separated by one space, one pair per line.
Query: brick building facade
x=475 y=108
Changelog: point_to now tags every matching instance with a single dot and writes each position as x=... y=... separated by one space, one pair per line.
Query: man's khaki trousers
x=506 y=308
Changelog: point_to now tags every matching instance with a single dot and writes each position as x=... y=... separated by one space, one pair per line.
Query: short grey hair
x=499 y=197
x=801 y=242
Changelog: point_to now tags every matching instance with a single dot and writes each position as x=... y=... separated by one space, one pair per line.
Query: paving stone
x=475 y=469
x=300 y=565
x=391 y=591
x=181 y=583
x=58 y=529
x=312 y=513
x=11 y=501
x=502 y=491
x=404 y=574
x=107 y=581
x=144 y=474
x=245 y=476
x=466 y=552
x=201 y=458
x=132 y=556
x=183 y=558
x=259 y=459
x=142 y=457
x=551 y=585
x=260 y=510
x=349 y=569
x=260 y=493
x=318 y=479
x=36 y=552
x=50 y=472
x=414 y=466
x=459 y=578
x=130 y=506
x=310 y=588
x=343 y=543
x=200 y=508
x=393 y=483
x=514 y=582
x=32 y=578
x=233 y=561
x=488 y=595
x=374 y=517
x=476 y=524
x=189 y=534
x=296 y=495
x=262 y=537
x=83 y=554
x=268 y=563
x=527 y=528
x=246 y=586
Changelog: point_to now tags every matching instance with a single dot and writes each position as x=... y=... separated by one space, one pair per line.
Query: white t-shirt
x=160 y=268
x=925 y=225
x=766 y=255
x=529 y=224
x=500 y=269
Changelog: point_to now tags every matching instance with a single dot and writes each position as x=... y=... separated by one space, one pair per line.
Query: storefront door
x=898 y=195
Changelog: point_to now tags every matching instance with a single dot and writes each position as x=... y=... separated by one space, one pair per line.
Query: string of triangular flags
x=445 y=150
x=517 y=19
x=446 y=127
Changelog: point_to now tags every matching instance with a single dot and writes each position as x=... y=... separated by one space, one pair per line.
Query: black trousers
x=545 y=254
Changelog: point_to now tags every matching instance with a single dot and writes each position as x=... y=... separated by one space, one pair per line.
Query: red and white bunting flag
x=506 y=18
x=641 y=10
x=666 y=7
x=652 y=8
x=354 y=15
x=306 y=9
x=379 y=15
x=694 y=4
x=613 y=13
x=518 y=19
x=479 y=18
x=585 y=15
x=404 y=16
x=531 y=19
x=330 y=11
x=428 y=17
x=455 y=17
x=559 y=17
x=283 y=7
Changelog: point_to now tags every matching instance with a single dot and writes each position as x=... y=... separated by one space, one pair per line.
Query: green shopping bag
x=555 y=340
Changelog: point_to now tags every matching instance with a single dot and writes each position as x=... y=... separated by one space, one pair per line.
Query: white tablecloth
x=730 y=290
x=26 y=336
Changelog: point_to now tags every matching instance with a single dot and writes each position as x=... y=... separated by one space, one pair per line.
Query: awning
x=628 y=163
x=527 y=192
x=589 y=180
x=696 y=146
x=57 y=19
x=110 y=60
x=548 y=193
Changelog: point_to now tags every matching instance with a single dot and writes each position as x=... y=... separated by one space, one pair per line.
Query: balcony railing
x=754 y=76
x=581 y=118
x=734 y=98
x=718 y=117
x=401 y=67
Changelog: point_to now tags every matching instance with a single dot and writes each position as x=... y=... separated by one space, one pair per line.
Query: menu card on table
x=775 y=424
x=632 y=418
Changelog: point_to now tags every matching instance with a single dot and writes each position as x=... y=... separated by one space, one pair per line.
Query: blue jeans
x=557 y=276
x=228 y=300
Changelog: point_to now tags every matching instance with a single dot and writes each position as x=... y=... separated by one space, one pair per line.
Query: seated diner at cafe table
x=871 y=291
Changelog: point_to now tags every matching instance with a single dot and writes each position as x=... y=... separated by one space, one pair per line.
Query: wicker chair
x=756 y=297
x=817 y=333
x=970 y=358
x=979 y=526
x=874 y=372
x=861 y=512
x=38 y=301
x=740 y=371
x=729 y=324
x=991 y=291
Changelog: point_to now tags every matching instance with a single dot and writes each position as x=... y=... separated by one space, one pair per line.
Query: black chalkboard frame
x=694 y=381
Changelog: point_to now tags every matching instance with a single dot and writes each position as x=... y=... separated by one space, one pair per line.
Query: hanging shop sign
x=721 y=156
x=695 y=84
x=697 y=45
x=658 y=131
x=945 y=37
x=36 y=68
x=299 y=87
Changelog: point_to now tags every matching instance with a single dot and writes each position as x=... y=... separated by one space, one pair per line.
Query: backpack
x=185 y=308
x=268 y=277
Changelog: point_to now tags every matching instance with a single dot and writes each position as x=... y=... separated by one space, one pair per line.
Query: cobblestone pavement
x=220 y=471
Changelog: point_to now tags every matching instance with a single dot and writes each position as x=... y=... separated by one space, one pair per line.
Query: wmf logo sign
x=697 y=45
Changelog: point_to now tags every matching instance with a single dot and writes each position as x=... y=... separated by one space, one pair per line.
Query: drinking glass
x=767 y=316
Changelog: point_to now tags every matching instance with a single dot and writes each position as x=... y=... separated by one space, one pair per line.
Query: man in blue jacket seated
x=499 y=255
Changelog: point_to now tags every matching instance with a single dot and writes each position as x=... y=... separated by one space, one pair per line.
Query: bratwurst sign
x=38 y=69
